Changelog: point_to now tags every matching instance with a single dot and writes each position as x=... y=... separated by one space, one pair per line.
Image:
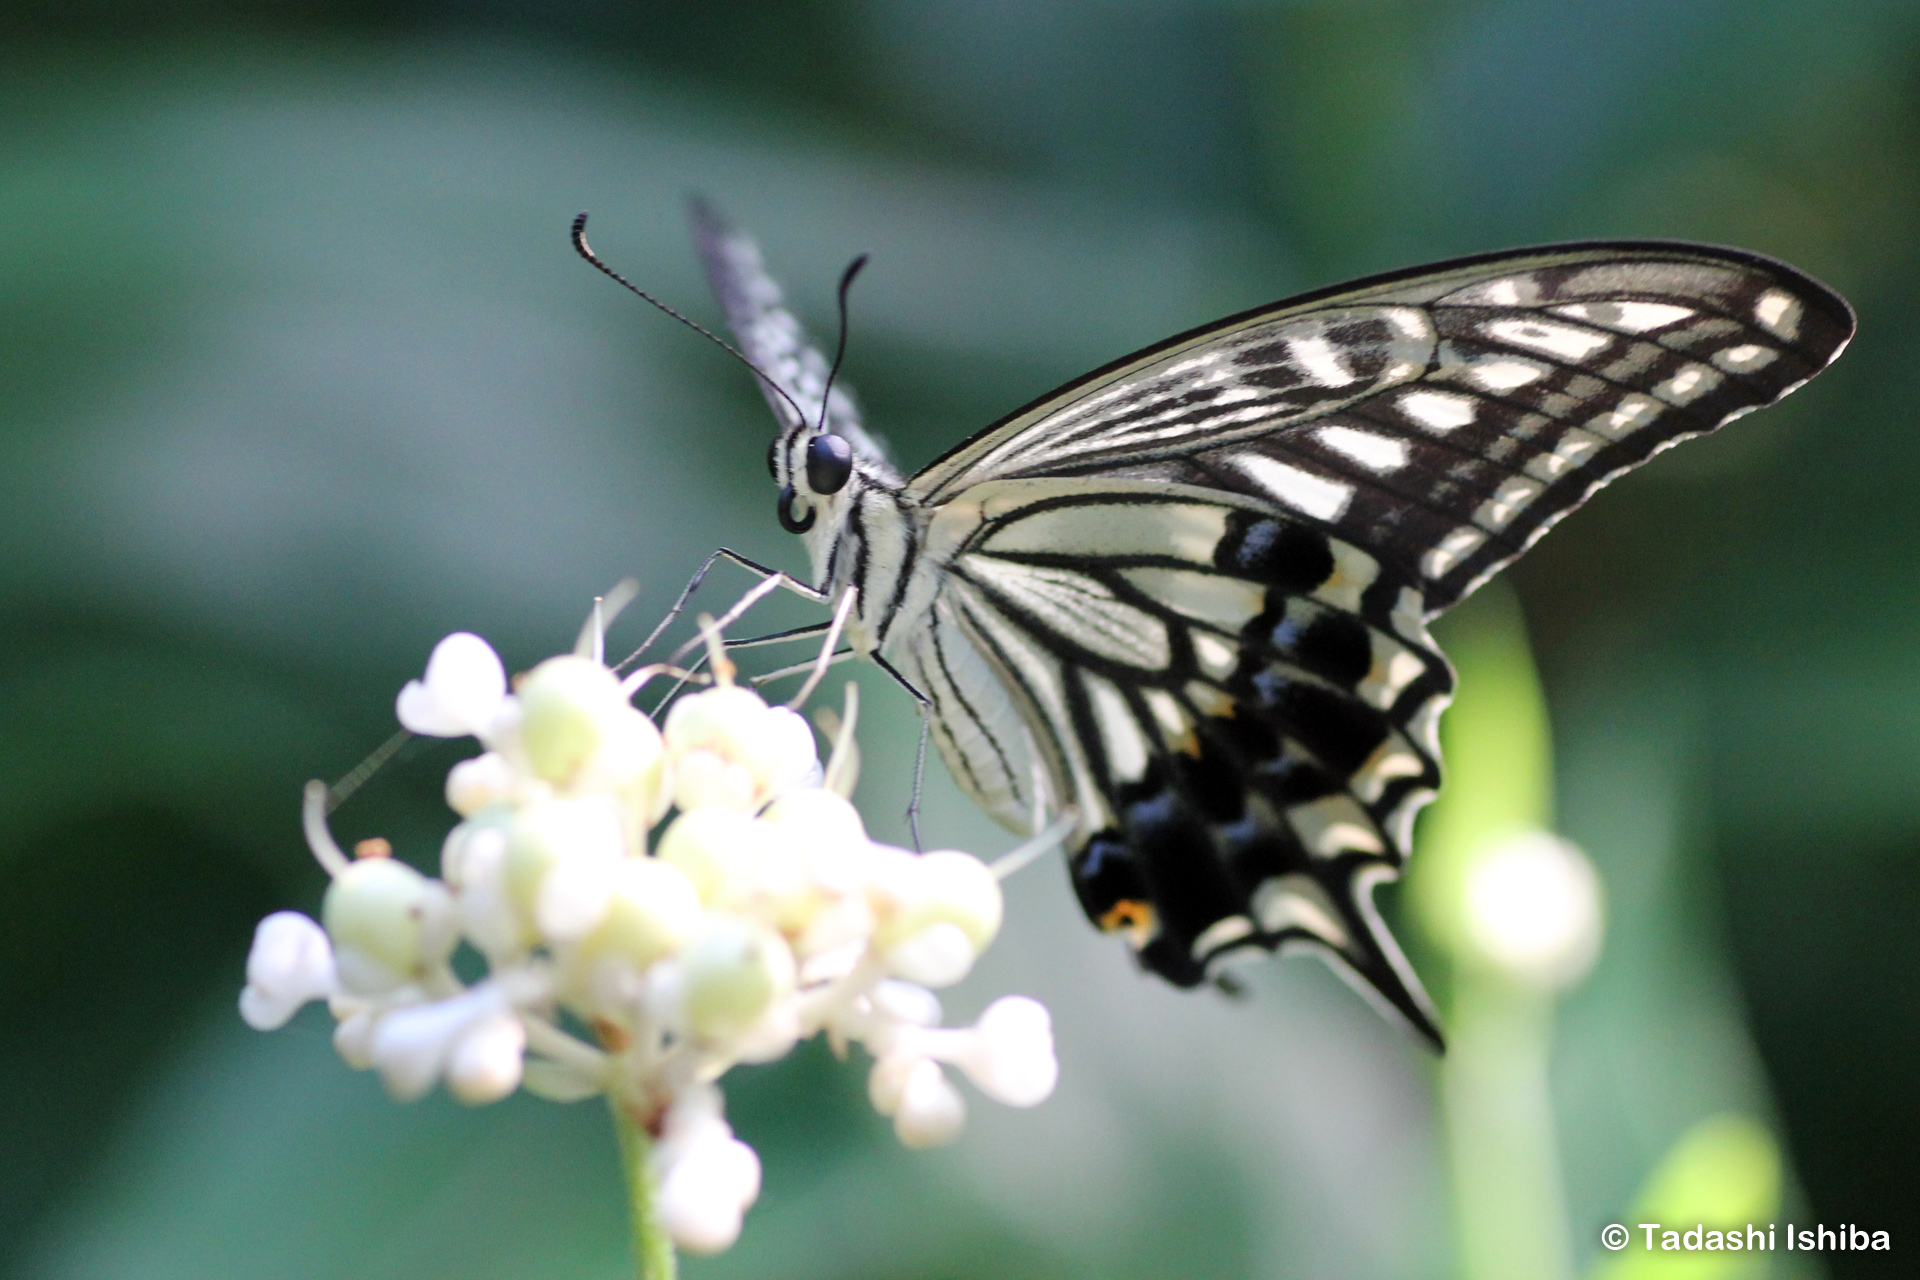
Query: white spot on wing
x=1391 y=762
x=1320 y=360
x=1353 y=572
x=1574 y=448
x=1213 y=598
x=1778 y=313
x=1297 y=902
x=1463 y=541
x=1120 y=733
x=1376 y=453
x=1334 y=824
x=1509 y=291
x=1312 y=495
x=1561 y=341
x=1437 y=410
x=1745 y=358
x=1216 y=656
x=1632 y=413
x=1394 y=668
x=1508 y=501
x=1628 y=317
x=1503 y=373
x=1222 y=933
x=1690 y=383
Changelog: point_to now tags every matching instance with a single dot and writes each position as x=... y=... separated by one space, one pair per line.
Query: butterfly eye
x=829 y=463
x=784 y=509
x=773 y=457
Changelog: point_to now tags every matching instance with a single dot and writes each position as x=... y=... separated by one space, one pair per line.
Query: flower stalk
x=653 y=1253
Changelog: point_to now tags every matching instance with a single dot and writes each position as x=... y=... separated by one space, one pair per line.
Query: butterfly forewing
x=1443 y=418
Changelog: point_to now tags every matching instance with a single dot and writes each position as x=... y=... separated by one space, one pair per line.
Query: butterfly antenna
x=580 y=245
x=840 y=350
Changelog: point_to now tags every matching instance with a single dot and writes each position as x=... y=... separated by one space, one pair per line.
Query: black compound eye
x=829 y=463
x=784 y=509
x=773 y=457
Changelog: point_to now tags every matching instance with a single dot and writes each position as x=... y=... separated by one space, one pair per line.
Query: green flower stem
x=1509 y=1217
x=652 y=1250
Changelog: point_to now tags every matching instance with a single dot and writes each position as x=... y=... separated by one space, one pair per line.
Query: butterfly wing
x=1204 y=572
x=770 y=337
x=1446 y=417
x=1241 y=709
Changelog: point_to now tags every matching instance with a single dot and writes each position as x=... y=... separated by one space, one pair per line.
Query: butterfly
x=1185 y=598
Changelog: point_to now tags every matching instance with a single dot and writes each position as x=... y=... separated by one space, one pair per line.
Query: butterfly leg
x=920 y=753
x=693 y=584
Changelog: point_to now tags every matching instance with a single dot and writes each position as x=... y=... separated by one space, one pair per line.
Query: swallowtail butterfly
x=1185 y=597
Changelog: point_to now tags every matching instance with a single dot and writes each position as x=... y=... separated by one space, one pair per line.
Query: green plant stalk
x=1510 y=1219
x=653 y=1254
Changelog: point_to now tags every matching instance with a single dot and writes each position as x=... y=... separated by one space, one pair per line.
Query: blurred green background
x=298 y=373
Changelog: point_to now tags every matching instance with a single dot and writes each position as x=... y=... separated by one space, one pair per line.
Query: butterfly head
x=821 y=475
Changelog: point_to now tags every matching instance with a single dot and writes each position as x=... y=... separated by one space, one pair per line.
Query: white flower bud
x=937 y=888
x=705 y=1192
x=824 y=832
x=464 y=688
x=487 y=1059
x=654 y=912
x=291 y=963
x=782 y=755
x=931 y=1111
x=562 y=855
x=411 y=1045
x=389 y=924
x=1010 y=1056
x=474 y=864
x=474 y=784
x=732 y=750
x=734 y=971
x=937 y=956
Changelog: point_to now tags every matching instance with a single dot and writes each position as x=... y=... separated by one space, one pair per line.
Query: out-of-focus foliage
x=297 y=374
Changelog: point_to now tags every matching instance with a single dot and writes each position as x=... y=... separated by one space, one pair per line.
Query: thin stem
x=652 y=1250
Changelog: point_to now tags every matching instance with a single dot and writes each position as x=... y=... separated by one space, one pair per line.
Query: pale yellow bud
x=939 y=888
x=734 y=971
x=722 y=852
x=389 y=924
x=655 y=911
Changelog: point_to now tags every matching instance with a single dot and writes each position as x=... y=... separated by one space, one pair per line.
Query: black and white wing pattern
x=769 y=335
x=1204 y=573
x=1187 y=595
x=1241 y=708
x=1445 y=417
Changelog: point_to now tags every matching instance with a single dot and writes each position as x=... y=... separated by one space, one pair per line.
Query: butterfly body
x=1186 y=597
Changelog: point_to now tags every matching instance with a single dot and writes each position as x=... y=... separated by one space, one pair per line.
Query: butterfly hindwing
x=1240 y=708
x=1444 y=418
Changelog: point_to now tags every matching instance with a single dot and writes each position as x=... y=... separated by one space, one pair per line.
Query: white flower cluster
x=762 y=915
